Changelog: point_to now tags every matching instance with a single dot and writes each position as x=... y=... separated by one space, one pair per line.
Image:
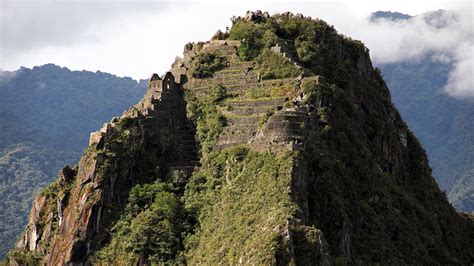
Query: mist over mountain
x=46 y=114
x=445 y=35
x=442 y=121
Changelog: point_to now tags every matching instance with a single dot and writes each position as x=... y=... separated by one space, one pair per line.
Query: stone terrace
x=246 y=109
x=243 y=117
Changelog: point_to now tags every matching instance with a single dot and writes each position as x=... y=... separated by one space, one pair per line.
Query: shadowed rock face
x=301 y=169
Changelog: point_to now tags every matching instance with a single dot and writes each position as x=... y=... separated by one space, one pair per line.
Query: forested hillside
x=46 y=114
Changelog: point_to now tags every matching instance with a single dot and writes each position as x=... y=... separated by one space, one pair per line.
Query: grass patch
x=208 y=119
x=275 y=66
x=264 y=118
x=241 y=200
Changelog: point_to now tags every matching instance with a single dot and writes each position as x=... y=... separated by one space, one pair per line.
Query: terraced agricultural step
x=225 y=80
x=258 y=102
x=243 y=120
x=247 y=111
x=219 y=147
x=237 y=67
x=236 y=74
x=234 y=88
x=236 y=137
x=231 y=129
x=245 y=64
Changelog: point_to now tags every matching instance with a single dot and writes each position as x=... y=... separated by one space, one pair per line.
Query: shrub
x=23 y=258
x=151 y=227
x=263 y=119
x=206 y=64
x=208 y=119
x=218 y=93
x=249 y=35
x=274 y=66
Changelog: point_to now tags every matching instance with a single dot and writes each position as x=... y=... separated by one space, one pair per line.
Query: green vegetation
x=249 y=35
x=391 y=208
x=241 y=200
x=208 y=120
x=206 y=64
x=357 y=192
x=263 y=119
x=313 y=44
x=274 y=66
x=151 y=229
x=309 y=87
x=344 y=161
x=52 y=190
x=275 y=90
x=28 y=259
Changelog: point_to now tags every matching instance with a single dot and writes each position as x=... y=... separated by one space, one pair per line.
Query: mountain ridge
x=297 y=164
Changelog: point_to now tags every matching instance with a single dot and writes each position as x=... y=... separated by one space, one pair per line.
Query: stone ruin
x=157 y=88
x=239 y=77
x=97 y=138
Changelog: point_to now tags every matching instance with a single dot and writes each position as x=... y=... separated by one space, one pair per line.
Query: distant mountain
x=46 y=114
x=388 y=15
x=437 y=19
x=63 y=104
x=443 y=124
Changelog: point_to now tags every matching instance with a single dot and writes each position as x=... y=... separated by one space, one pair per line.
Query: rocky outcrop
x=47 y=214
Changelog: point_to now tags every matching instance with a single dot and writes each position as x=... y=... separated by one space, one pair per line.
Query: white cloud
x=136 y=38
x=447 y=36
x=460 y=81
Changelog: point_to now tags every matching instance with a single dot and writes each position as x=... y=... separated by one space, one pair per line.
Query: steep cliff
x=274 y=143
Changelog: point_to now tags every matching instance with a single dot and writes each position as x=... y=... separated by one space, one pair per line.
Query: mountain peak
x=277 y=143
x=389 y=15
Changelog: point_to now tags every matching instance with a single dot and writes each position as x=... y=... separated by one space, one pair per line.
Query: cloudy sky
x=136 y=38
